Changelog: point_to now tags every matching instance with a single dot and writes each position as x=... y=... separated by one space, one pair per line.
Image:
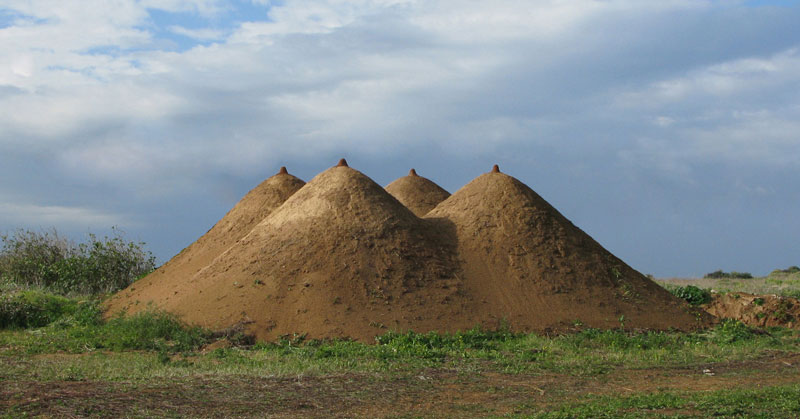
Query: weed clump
x=731 y=331
x=33 y=309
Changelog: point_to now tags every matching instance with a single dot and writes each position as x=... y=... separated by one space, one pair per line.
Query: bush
x=728 y=275
x=50 y=261
x=693 y=295
x=33 y=309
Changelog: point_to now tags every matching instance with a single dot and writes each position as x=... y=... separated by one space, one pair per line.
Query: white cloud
x=721 y=80
x=201 y=34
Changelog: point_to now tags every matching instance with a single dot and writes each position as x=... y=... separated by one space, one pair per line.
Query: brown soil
x=525 y=262
x=417 y=193
x=158 y=287
x=343 y=258
x=756 y=310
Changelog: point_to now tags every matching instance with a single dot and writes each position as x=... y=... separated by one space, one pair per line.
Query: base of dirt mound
x=756 y=310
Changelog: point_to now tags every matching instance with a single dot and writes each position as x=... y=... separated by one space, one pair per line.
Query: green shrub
x=728 y=275
x=33 y=309
x=692 y=294
x=50 y=261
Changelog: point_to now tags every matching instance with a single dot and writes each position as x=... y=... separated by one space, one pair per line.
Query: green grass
x=778 y=282
x=81 y=330
x=767 y=402
x=165 y=347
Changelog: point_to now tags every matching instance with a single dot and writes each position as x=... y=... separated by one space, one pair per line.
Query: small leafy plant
x=692 y=294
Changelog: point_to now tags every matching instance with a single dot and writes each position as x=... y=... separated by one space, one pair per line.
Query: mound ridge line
x=342 y=257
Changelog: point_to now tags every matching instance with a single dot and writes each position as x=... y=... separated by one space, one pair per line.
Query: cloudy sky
x=668 y=130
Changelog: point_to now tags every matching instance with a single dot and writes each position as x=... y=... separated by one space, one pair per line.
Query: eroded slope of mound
x=417 y=193
x=525 y=262
x=341 y=257
x=175 y=274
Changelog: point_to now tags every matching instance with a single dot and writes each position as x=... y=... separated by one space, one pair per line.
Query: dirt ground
x=432 y=393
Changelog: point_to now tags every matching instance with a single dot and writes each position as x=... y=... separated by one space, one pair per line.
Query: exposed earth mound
x=341 y=257
x=158 y=287
x=525 y=262
x=417 y=193
x=756 y=310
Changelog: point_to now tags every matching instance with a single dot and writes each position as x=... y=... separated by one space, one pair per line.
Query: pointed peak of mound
x=283 y=171
x=495 y=169
x=417 y=193
x=342 y=163
x=493 y=193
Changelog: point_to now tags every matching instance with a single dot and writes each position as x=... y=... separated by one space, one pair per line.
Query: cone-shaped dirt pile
x=525 y=262
x=173 y=277
x=341 y=257
x=417 y=193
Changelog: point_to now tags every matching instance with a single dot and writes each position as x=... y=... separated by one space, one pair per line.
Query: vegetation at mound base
x=49 y=261
x=80 y=329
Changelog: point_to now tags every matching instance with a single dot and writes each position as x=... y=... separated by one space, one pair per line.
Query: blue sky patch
x=163 y=23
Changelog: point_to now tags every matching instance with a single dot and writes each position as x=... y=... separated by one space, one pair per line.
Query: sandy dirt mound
x=756 y=310
x=342 y=257
x=174 y=275
x=525 y=262
x=417 y=193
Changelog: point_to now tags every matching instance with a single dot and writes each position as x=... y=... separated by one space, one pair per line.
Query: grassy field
x=786 y=284
x=58 y=359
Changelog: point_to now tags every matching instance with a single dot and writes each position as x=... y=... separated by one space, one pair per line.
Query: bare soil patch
x=434 y=392
x=756 y=310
